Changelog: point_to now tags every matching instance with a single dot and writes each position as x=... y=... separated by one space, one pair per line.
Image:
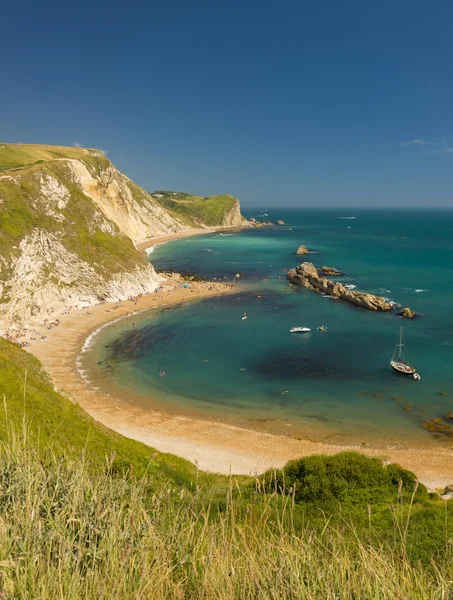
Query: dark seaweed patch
x=289 y=366
x=137 y=342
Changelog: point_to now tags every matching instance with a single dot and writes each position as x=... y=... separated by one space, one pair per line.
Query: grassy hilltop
x=193 y=210
x=20 y=156
x=87 y=513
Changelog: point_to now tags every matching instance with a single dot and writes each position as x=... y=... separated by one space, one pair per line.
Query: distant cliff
x=69 y=222
x=213 y=211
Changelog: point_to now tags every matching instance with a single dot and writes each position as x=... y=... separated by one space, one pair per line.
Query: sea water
x=332 y=386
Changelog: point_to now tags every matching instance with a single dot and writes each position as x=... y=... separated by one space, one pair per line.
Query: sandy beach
x=147 y=244
x=214 y=446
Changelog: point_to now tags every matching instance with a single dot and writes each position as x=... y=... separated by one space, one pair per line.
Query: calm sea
x=339 y=383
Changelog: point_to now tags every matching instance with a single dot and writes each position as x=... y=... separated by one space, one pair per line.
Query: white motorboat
x=350 y=286
x=299 y=330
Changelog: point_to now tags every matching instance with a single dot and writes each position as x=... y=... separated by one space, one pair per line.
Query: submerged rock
x=279 y=222
x=438 y=425
x=407 y=313
x=303 y=250
x=306 y=275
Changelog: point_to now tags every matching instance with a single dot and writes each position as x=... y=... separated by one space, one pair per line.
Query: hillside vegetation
x=196 y=210
x=87 y=513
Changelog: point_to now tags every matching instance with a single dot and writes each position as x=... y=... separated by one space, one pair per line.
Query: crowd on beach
x=25 y=336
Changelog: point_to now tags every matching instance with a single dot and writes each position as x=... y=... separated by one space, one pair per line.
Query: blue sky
x=293 y=103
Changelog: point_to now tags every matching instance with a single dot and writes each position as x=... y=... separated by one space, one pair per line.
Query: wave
x=345 y=217
x=151 y=249
x=392 y=303
x=418 y=291
x=90 y=339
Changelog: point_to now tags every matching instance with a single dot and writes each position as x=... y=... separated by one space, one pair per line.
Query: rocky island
x=307 y=276
x=302 y=250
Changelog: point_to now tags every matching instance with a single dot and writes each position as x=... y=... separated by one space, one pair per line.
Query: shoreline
x=149 y=243
x=212 y=445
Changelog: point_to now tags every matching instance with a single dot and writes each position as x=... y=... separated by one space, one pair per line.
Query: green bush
x=346 y=477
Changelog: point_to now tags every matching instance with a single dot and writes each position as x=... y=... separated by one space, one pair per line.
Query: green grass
x=68 y=533
x=19 y=156
x=208 y=210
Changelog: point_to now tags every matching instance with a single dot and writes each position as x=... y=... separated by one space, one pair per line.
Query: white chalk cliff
x=68 y=225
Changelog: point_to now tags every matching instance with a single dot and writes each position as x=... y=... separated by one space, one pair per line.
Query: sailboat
x=398 y=361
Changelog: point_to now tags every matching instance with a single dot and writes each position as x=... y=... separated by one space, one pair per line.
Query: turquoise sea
x=339 y=383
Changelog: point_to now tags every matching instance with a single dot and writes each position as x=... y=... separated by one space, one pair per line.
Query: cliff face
x=47 y=278
x=233 y=217
x=133 y=210
x=68 y=224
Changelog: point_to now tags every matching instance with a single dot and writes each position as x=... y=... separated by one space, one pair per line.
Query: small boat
x=398 y=361
x=350 y=286
x=299 y=330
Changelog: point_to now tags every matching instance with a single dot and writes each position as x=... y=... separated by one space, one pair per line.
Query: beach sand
x=212 y=445
x=149 y=243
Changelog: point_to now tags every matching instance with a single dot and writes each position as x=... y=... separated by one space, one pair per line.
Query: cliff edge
x=69 y=222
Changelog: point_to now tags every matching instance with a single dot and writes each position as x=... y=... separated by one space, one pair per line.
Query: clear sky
x=300 y=103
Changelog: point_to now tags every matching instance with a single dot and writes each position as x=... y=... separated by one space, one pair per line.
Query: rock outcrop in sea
x=254 y=223
x=307 y=276
x=302 y=250
x=329 y=271
x=407 y=313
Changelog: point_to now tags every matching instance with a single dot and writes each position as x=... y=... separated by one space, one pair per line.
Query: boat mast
x=400 y=345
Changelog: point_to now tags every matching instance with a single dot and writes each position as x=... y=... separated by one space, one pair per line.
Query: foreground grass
x=68 y=533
